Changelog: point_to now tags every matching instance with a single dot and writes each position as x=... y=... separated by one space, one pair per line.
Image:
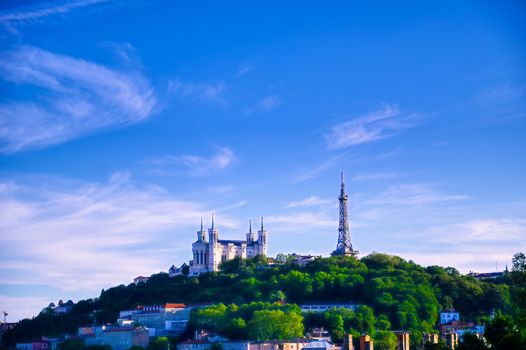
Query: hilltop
x=395 y=294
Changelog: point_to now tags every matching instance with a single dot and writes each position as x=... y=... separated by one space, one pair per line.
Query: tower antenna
x=344 y=246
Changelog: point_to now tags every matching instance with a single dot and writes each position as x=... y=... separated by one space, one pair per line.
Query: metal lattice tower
x=344 y=246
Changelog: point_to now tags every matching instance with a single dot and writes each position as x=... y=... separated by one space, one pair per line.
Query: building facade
x=209 y=251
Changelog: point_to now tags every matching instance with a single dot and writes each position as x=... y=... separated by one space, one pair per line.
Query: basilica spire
x=344 y=246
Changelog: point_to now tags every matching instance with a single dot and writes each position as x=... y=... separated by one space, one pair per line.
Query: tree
x=72 y=344
x=519 y=262
x=385 y=340
x=275 y=324
x=471 y=341
x=503 y=334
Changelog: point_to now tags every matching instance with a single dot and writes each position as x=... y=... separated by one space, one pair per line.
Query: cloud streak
x=413 y=194
x=202 y=91
x=73 y=98
x=29 y=14
x=265 y=104
x=110 y=231
x=195 y=165
x=311 y=201
x=384 y=123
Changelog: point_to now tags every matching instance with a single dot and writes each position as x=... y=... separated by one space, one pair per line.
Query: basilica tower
x=344 y=246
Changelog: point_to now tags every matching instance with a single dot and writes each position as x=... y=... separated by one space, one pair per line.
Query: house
x=403 y=340
x=319 y=334
x=119 y=338
x=62 y=307
x=178 y=271
x=140 y=279
x=321 y=345
x=448 y=316
x=451 y=340
x=303 y=260
x=45 y=344
x=429 y=338
x=366 y=343
x=161 y=320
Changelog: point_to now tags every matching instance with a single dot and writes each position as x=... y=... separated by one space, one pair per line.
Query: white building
x=209 y=252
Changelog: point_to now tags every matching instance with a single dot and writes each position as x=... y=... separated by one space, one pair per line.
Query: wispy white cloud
x=312 y=173
x=203 y=91
x=476 y=244
x=503 y=102
x=108 y=231
x=267 y=103
x=244 y=70
x=76 y=97
x=194 y=165
x=375 y=176
x=311 y=201
x=384 y=123
x=31 y=13
x=301 y=222
x=413 y=194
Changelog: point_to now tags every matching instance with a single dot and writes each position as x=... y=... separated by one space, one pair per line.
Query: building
x=344 y=246
x=178 y=271
x=303 y=260
x=161 y=320
x=298 y=344
x=403 y=340
x=347 y=342
x=209 y=252
x=45 y=344
x=206 y=344
x=366 y=343
x=429 y=338
x=448 y=316
x=324 y=306
x=62 y=307
x=5 y=326
x=321 y=345
x=140 y=279
x=319 y=334
x=24 y=346
x=119 y=338
x=451 y=340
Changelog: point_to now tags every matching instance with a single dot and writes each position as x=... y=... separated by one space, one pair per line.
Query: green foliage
x=73 y=344
x=503 y=334
x=472 y=342
x=385 y=340
x=257 y=320
x=275 y=324
x=396 y=294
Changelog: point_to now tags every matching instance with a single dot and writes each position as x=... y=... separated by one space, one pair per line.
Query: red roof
x=174 y=306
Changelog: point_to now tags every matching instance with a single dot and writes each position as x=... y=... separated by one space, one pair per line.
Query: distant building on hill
x=488 y=275
x=321 y=306
x=160 y=320
x=62 y=307
x=448 y=316
x=119 y=338
x=366 y=343
x=140 y=279
x=210 y=251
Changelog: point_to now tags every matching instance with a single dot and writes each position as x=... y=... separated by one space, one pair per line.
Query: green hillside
x=395 y=294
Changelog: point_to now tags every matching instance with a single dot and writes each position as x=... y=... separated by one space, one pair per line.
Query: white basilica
x=209 y=252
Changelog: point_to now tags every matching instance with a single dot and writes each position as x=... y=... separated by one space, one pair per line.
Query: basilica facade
x=209 y=251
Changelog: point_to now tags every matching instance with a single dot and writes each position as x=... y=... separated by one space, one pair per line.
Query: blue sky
x=123 y=122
